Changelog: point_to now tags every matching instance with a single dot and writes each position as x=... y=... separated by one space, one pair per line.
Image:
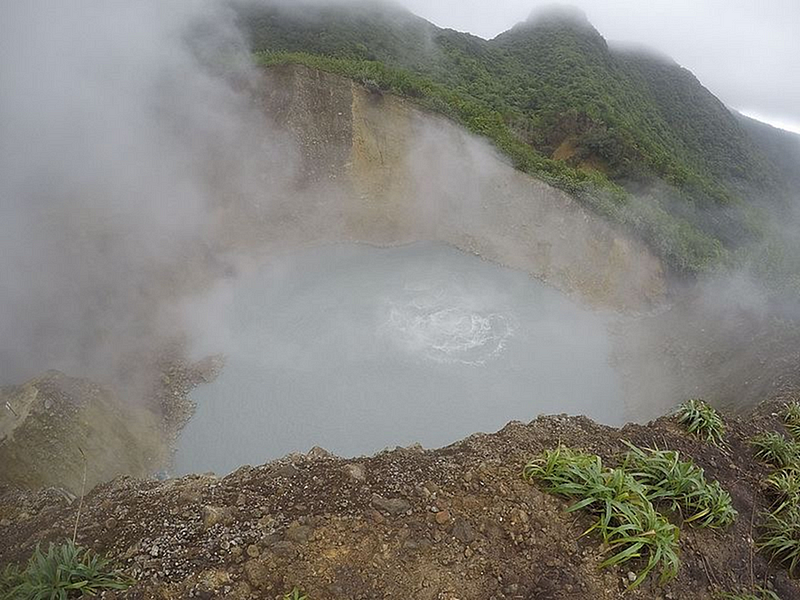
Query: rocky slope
x=444 y=524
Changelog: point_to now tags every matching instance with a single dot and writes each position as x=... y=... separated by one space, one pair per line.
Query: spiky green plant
x=781 y=537
x=759 y=594
x=784 y=487
x=702 y=420
x=791 y=418
x=624 y=517
x=295 y=594
x=681 y=485
x=65 y=571
x=773 y=448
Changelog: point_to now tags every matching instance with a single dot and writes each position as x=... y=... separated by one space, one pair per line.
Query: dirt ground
x=454 y=523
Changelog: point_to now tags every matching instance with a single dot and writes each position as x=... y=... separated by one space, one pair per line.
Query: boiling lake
x=356 y=348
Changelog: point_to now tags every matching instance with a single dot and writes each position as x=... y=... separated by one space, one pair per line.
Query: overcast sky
x=747 y=52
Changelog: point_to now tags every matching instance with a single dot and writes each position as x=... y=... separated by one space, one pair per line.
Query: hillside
x=634 y=136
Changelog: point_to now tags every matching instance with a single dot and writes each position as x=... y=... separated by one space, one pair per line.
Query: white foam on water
x=447 y=326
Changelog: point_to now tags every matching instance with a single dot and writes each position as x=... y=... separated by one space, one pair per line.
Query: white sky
x=747 y=52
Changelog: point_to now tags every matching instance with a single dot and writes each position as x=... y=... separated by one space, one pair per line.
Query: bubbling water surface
x=356 y=348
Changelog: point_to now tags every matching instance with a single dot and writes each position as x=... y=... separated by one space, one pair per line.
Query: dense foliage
x=564 y=106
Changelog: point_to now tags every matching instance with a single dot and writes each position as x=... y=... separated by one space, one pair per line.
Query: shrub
x=702 y=420
x=65 y=571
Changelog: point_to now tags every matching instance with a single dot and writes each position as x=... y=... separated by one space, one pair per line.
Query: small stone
x=442 y=517
x=318 y=453
x=393 y=506
x=287 y=471
x=631 y=576
x=154 y=551
x=298 y=533
x=284 y=549
x=463 y=532
x=253 y=551
x=256 y=573
x=355 y=471
x=213 y=515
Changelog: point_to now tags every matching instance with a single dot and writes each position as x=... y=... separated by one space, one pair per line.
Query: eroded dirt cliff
x=375 y=168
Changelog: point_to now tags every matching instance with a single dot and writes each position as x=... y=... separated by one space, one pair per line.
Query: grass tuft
x=682 y=485
x=781 y=537
x=773 y=448
x=702 y=419
x=784 y=486
x=791 y=418
x=759 y=594
x=624 y=517
x=65 y=571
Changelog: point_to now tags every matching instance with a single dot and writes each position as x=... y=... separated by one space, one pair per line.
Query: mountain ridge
x=576 y=111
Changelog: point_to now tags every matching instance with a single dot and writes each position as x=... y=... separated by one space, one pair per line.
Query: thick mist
x=139 y=163
x=126 y=129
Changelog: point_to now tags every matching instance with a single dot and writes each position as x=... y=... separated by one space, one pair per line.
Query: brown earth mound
x=454 y=523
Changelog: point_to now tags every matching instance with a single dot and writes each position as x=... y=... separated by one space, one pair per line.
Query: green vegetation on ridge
x=65 y=571
x=625 y=502
x=563 y=106
x=673 y=238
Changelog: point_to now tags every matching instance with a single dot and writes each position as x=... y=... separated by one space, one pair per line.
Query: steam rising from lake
x=354 y=348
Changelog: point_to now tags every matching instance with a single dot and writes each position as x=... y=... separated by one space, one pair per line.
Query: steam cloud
x=122 y=142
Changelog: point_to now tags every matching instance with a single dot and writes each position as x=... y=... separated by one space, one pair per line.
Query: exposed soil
x=454 y=523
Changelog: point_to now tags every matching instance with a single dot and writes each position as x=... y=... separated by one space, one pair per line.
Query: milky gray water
x=356 y=348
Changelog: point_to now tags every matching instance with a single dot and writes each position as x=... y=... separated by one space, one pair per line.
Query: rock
x=355 y=471
x=463 y=531
x=317 y=453
x=284 y=549
x=212 y=580
x=287 y=471
x=392 y=506
x=240 y=591
x=377 y=516
x=212 y=515
x=298 y=533
x=442 y=517
x=256 y=572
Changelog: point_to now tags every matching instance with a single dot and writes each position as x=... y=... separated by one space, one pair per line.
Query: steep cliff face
x=377 y=169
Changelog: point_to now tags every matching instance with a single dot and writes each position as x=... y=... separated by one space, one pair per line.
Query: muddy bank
x=452 y=523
